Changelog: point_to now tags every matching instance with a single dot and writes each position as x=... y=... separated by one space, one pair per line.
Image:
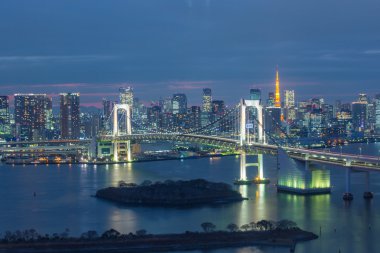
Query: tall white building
x=126 y=96
x=207 y=100
x=289 y=98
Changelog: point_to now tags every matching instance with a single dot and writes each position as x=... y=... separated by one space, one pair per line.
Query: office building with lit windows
x=70 y=115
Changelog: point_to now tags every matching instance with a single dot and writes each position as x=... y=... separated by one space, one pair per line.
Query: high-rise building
x=49 y=114
x=49 y=121
x=337 y=107
x=377 y=108
x=277 y=101
x=107 y=108
x=195 y=117
x=5 y=127
x=167 y=105
x=371 y=116
x=30 y=116
x=126 y=96
x=206 y=100
x=70 y=115
x=218 y=107
x=179 y=103
x=270 y=101
x=289 y=98
x=106 y=114
x=255 y=94
x=363 y=98
x=272 y=120
x=359 y=116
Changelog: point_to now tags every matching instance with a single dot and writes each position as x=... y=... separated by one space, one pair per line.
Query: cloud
x=189 y=85
x=64 y=85
x=54 y=58
x=94 y=104
x=329 y=57
x=99 y=94
x=372 y=51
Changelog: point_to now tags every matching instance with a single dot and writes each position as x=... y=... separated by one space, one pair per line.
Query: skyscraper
x=179 y=103
x=377 y=113
x=126 y=96
x=218 y=107
x=195 y=117
x=363 y=98
x=272 y=120
x=289 y=98
x=207 y=98
x=5 y=128
x=107 y=108
x=30 y=116
x=359 y=116
x=69 y=116
x=270 y=101
x=255 y=94
x=277 y=101
x=49 y=124
x=106 y=114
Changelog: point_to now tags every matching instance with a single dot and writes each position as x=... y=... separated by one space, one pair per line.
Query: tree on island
x=262 y=225
x=208 y=227
x=286 y=225
x=111 y=234
x=232 y=227
x=245 y=227
x=252 y=224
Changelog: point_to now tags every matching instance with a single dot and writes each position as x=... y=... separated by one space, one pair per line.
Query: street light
x=341 y=150
x=360 y=151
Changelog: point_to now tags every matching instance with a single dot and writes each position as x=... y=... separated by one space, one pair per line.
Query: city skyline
x=278 y=92
x=116 y=45
x=190 y=125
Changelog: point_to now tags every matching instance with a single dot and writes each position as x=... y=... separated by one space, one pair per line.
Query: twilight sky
x=160 y=47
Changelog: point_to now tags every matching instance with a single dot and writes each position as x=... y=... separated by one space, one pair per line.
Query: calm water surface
x=64 y=201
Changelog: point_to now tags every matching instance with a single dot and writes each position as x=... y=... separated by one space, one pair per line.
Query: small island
x=283 y=233
x=171 y=193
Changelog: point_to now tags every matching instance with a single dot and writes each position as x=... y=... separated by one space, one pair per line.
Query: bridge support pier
x=348 y=196
x=243 y=180
x=259 y=179
x=367 y=194
x=260 y=171
x=243 y=168
x=115 y=151
x=297 y=175
x=129 y=152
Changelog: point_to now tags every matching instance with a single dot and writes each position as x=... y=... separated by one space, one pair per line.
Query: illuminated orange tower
x=277 y=99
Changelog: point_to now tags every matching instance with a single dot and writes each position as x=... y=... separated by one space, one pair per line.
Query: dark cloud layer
x=324 y=48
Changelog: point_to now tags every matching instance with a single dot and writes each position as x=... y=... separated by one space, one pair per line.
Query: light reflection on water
x=64 y=201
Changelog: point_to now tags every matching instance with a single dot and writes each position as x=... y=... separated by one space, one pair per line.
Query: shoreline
x=166 y=242
x=123 y=162
x=171 y=193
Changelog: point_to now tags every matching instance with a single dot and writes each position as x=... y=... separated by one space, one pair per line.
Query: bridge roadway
x=361 y=162
x=46 y=142
x=346 y=160
x=72 y=149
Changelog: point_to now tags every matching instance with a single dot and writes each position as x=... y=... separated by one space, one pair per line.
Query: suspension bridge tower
x=245 y=140
x=116 y=131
